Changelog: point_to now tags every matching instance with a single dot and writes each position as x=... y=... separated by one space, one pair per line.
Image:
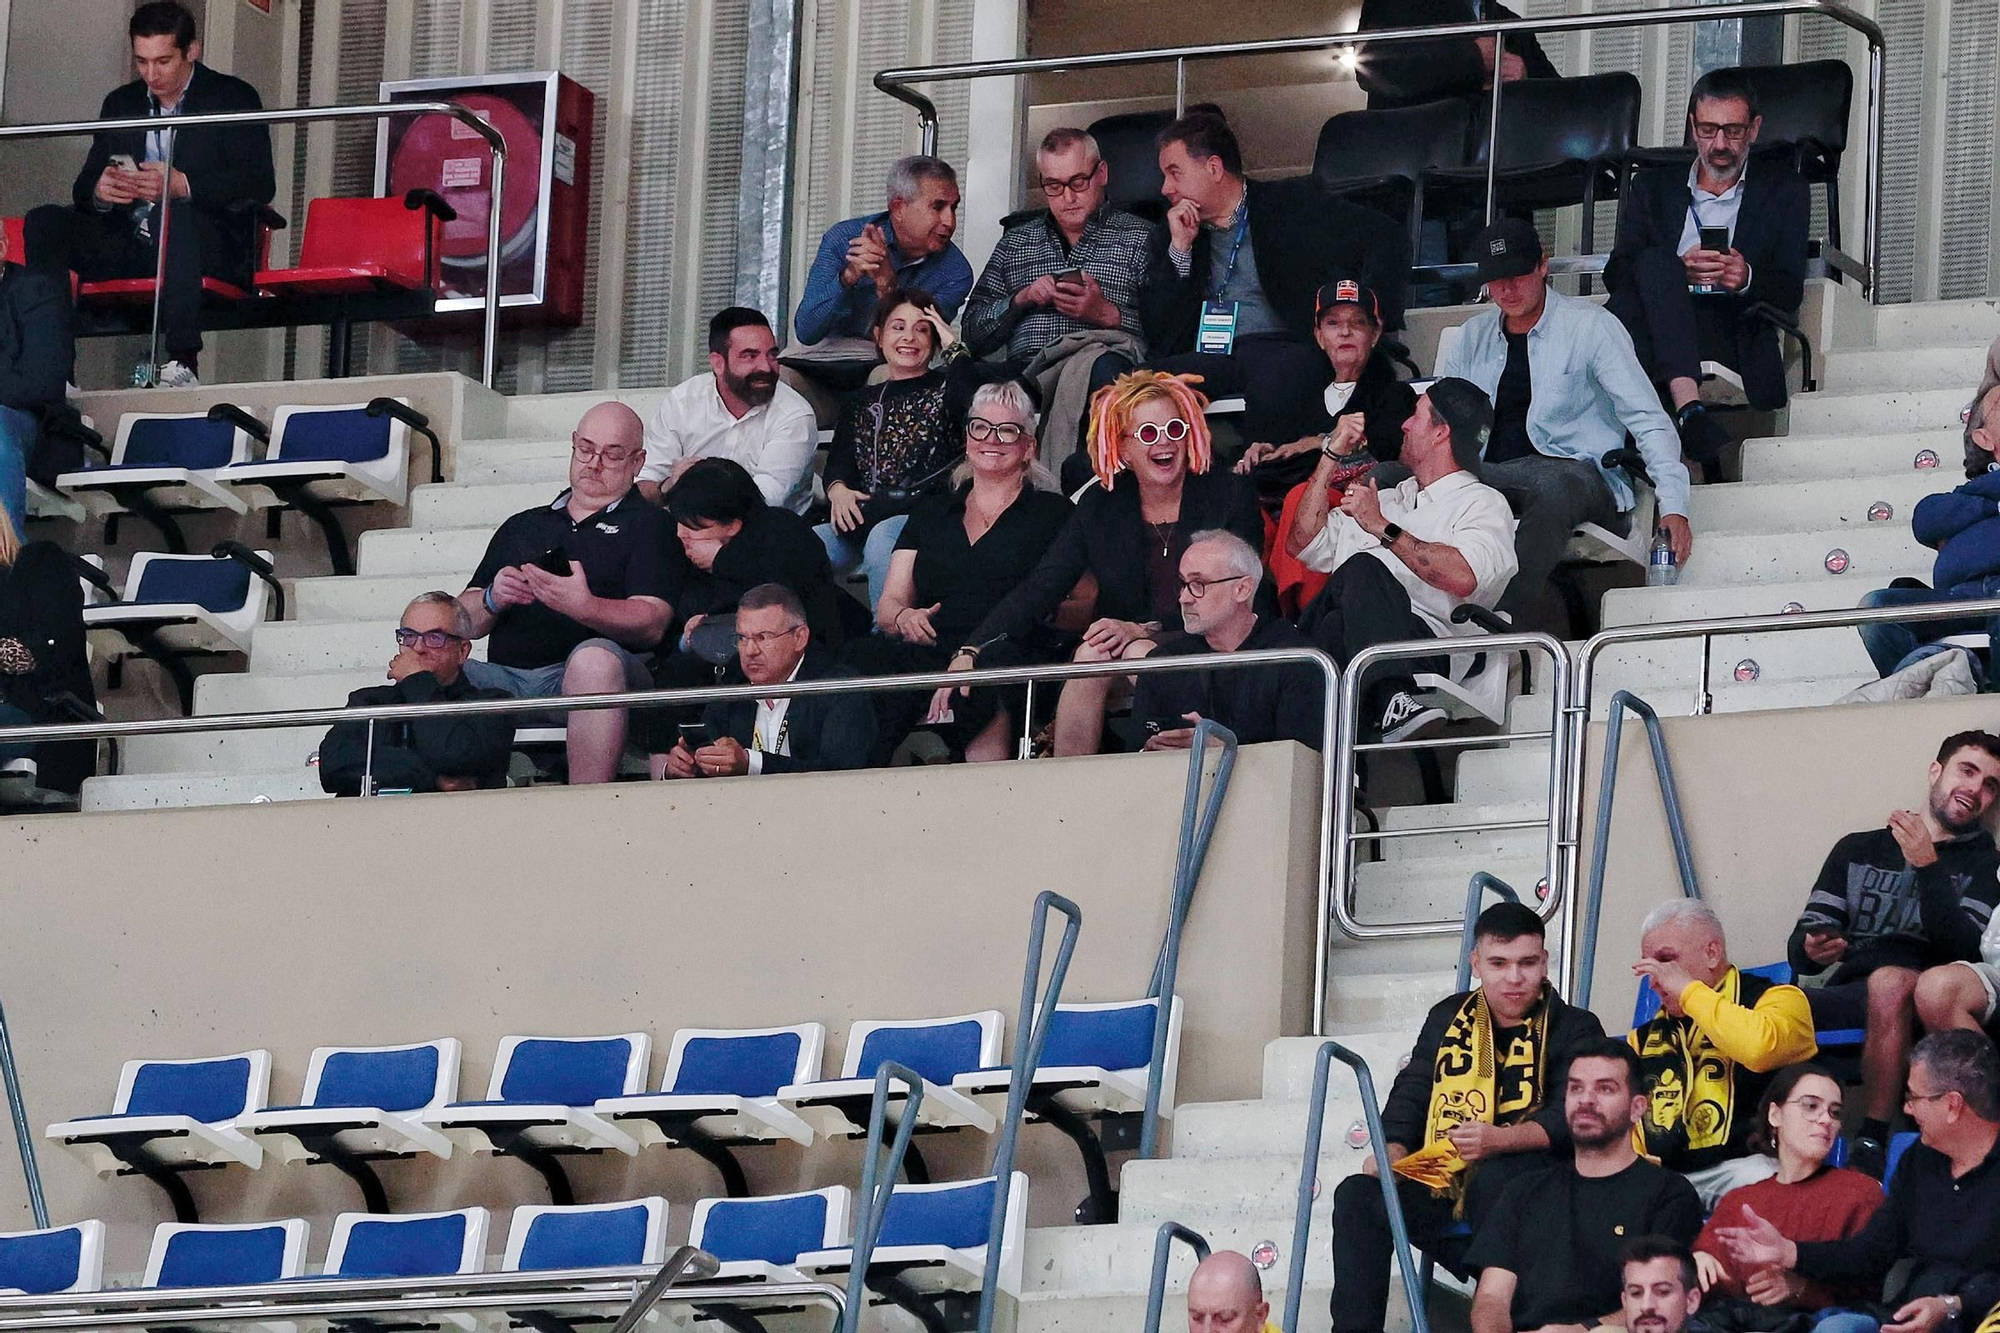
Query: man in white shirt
x=1403 y=560
x=739 y=411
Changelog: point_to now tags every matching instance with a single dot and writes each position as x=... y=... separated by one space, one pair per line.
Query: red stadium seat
x=139 y=291
x=17 y=244
x=360 y=245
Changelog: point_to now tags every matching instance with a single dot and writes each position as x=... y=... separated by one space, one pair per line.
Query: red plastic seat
x=17 y=243
x=359 y=245
x=137 y=291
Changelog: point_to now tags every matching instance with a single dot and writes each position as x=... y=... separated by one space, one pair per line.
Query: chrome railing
x=896 y=82
x=496 y=148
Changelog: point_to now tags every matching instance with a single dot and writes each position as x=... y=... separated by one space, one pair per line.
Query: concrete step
x=1951 y=366
x=1503 y=773
x=1934 y=323
x=1838 y=413
x=1433 y=888
x=355 y=597
x=513 y=460
x=554 y=415
x=137 y=791
x=1176 y=1189
x=252 y=692
x=1809 y=654
x=314 y=647
x=1869 y=454
x=1831 y=504
x=1496 y=844
x=478 y=504
x=1875 y=553
x=1652 y=606
x=223 y=752
x=1387 y=985
x=1288 y=1061
x=446 y=554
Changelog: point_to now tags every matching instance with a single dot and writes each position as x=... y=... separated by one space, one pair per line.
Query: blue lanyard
x=1242 y=230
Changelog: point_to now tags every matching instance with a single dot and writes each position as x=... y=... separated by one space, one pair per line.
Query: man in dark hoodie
x=1473 y=1100
x=1892 y=901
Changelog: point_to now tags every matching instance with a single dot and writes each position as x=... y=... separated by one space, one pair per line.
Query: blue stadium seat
x=1648 y=1004
x=545 y=1238
x=721 y=1089
x=758 y=1240
x=938 y=1049
x=350 y=453
x=162 y=463
x=173 y=1115
x=933 y=1243
x=362 y=1104
x=540 y=1102
x=188 y=603
x=407 y=1244
x=57 y=1259
x=236 y=1255
x=1898 y=1145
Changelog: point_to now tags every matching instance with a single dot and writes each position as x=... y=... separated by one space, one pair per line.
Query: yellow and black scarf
x=1698 y=1100
x=1471 y=1080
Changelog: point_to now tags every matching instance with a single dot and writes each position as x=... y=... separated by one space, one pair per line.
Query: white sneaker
x=1405 y=716
x=177 y=375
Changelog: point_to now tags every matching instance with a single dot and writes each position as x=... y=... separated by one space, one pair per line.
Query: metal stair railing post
x=1475 y=893
x=1676 y=827
x=24 y=1137
x=1163 y=1246
x=1196 y=834
x=1031 y=1033
x=1399 y=1232
x=683 y=1260
x=878 y=1180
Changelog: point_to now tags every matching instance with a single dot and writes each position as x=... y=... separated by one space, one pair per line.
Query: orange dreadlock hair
x=1111 y=417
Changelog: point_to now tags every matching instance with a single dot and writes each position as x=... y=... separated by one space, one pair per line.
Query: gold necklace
x=1165 y=532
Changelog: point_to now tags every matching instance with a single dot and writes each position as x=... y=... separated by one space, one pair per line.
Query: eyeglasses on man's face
x=595 y=454
x=1007 y=432
x=433 y=639
x=764 y=640
x=1730 y=131
x=1150 y=433
x=1055 y=189
x=1196 y=586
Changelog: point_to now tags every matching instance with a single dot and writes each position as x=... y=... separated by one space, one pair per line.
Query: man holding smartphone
x=1696 y=253
x=221 y=175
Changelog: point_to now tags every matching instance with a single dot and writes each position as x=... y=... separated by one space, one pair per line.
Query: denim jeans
x=870 y=555
x=1890 y=644
x=17 y=437
x=1837 y=1320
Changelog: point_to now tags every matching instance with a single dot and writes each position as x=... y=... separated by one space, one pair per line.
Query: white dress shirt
x=774 y=443
x=768 y=733
x=1455 y=511
x=1710 y=210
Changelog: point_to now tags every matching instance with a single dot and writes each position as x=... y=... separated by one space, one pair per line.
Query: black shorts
x=1843 y=1005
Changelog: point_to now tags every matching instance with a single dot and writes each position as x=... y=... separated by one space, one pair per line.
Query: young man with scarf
x=1468 y=1113
x=1706 y=1056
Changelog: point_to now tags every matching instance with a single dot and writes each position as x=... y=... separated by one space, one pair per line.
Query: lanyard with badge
x=1217 y=331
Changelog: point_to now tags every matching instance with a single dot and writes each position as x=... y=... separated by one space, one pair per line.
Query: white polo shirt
x=774 y=443
x=1455 y=511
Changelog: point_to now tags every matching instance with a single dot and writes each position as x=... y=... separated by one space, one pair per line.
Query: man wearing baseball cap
x=1401 y=561
x=1566 y=387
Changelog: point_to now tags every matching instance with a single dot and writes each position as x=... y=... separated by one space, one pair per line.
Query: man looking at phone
x=577 y=593
x=220 y=174
x=803 y=735
x=1402 y=560
x=1695 y=253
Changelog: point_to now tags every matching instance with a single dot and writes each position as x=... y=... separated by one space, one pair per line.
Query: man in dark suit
x=1685 y=303
x=1398 y=74
x=804 y=735
x=37 y=351
x=219 y=173
x=1231 y=295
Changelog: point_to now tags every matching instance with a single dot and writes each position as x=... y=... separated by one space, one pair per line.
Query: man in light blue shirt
x=1567 y=388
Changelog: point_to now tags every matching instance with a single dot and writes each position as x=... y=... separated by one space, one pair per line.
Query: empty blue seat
x=162 y=463
x=407 y=1244
x=938 y=1050
x=56 y=1259
x=934 y=1241
x=191 y=1255
x=355 y=455
x=545 y=1238
x=760 y=1239
x=185 y=603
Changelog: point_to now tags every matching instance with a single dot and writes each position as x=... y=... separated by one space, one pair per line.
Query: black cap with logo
x=1507 y=249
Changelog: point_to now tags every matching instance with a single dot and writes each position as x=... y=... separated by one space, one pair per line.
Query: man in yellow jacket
x=1707 y=1055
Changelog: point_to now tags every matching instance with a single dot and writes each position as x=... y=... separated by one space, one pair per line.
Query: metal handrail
x=878 y=1179
x=1163 y=1247
x=895 y=82
x=1706 y=627
x=1197 y=830
x=24 y=1137
x=1475 y=893
x=496 y=147
x=1399 y=1232
x=685 y=1260
x=1031 y=1034
x=1670 y=800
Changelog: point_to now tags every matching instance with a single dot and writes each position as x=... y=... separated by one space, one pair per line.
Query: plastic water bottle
x=1661 y=570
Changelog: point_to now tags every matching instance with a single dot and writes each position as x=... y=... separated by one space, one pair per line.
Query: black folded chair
x=1383 y=158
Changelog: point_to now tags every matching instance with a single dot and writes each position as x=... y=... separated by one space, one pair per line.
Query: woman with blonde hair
x=1153 y=488
x=42 y=657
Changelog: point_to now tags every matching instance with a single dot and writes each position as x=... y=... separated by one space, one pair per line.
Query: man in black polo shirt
x=1547 y=1253
x=1219 y=577
x=577 y=593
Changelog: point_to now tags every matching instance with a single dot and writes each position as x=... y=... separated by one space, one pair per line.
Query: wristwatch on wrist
x=1389 y=534
x=1954 y=1306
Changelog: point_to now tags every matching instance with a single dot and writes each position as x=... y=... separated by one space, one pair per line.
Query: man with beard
x=1548 y=1255
x=1685 y=302
x=737 y=411
x=1893 y=901
x=1474 y=1098
x=1661 y=1287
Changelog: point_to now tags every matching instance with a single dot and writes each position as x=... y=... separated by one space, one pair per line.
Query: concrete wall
x=1765 y=796
x=577 y=910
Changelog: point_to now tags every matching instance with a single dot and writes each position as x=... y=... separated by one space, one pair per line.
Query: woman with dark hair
x=1798 y=1122
x=895 y=440
x=44 y=671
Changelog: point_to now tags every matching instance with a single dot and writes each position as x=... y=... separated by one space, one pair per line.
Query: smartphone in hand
x=555 y=560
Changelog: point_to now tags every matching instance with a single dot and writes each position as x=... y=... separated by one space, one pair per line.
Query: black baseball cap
x=1507 y=249
x=1468 y=413
x=1347 y=291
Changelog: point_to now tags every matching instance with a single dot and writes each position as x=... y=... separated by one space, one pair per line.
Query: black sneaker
x=1869 y=1156
x=1702 y=436
x=1406 y=715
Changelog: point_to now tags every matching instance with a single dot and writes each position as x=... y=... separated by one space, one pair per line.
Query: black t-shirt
x=966 y=580
x=1510 y=405
x=1258 y=703
x=626 y=550
x=1559 y=1233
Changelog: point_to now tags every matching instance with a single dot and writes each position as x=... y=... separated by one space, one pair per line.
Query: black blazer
x=37 y=343
x=224 y=164
x=775 y=546
x=826 y=731
x=1397 y=74
x=417 y=753
x=1106 y=537
x=41 y=604
x=1771 y=235
x=1303 y=237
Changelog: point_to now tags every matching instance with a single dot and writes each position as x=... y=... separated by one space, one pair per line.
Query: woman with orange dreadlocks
x=1154 y=488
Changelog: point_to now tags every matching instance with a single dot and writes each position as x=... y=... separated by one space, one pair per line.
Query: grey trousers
x=1549 y=497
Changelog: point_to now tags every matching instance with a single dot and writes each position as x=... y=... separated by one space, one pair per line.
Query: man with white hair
x=1706 y=1056
x=1219 y=577
x=1226 y=1295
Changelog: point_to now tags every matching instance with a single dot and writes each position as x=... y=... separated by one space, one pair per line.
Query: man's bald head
x=1226 y=1295
x=612 y=423
x=607 y=449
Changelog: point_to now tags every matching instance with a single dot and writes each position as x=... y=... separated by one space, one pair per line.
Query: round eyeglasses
x=1007 y=432
x=1150 y=433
